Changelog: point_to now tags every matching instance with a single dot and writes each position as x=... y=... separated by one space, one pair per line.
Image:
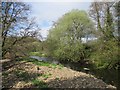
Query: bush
x=105 y=55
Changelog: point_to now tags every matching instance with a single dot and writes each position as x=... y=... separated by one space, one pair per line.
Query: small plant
x=5 y=74
x=22 y=74
x=60 y=66
x=57 y=78
x=46 y=76
x=53 y=66
x=43 y=55
x=39 y=84
x=35 y=54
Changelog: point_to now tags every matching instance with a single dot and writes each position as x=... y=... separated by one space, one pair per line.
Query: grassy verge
x=41 y=63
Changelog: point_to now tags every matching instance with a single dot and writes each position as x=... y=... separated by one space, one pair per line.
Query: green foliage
x=24 y=47
x=5 y=74
x=106 y=54
x=23 y=75
x=39 y=84
x=46 y=75
x=41 y=63
x=65 y=39
x=35 y=54
x=73 y=52
x=105 y=50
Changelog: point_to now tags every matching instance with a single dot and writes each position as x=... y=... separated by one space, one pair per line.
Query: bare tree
x=102 y=14
x=16 y=24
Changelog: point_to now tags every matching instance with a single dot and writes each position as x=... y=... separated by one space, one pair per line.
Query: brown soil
x=57 y=77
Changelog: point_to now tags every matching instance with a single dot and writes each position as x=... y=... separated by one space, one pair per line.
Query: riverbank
x=29 y=74
x=109 y=76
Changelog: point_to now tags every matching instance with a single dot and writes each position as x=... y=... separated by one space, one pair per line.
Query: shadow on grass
x=79 y=82
x=16 y=73
x=9 y=64
x=109 y=76
x=76 y=83
x=12 y=78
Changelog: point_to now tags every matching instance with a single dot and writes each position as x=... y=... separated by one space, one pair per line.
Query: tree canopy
x=66 y=36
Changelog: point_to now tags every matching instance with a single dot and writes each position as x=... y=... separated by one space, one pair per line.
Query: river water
x=45 y=59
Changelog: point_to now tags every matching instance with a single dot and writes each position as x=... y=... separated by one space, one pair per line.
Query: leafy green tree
x=65 y=38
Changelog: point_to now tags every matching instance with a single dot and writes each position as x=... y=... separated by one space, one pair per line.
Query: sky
x=47 y=12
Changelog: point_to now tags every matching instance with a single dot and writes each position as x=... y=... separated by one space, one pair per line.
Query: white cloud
x=46 y=12
x=54 y=10
x=44 y=31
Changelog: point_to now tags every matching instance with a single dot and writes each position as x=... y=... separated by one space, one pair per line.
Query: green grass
x=39 y=84
x=22 y=74
x=41 y=63
x=46 y=75
x=25 y=76
x=60 y=66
